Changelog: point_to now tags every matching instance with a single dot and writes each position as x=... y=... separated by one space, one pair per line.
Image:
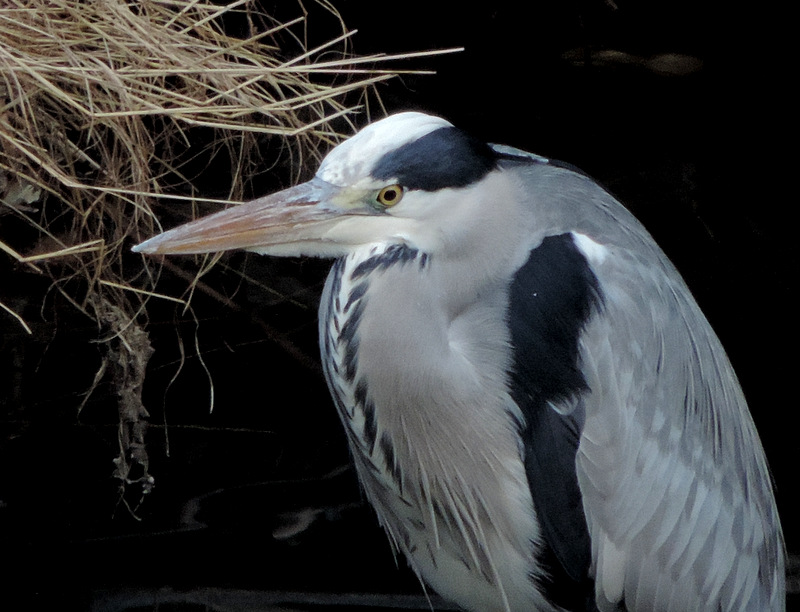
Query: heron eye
x=391 y=195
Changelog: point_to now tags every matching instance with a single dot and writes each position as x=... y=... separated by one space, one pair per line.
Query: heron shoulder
x=668 y=430
x=551 y=298
x=666 y=426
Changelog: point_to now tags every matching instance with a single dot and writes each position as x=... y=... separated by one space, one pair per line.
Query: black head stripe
x=447 y=157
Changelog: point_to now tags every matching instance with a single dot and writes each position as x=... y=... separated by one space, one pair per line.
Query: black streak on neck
x=345 y=313
x=393 y=254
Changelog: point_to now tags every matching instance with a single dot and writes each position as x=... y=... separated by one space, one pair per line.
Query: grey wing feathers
x=676 y=489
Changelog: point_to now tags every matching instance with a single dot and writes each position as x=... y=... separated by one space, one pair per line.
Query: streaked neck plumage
x=386 y=353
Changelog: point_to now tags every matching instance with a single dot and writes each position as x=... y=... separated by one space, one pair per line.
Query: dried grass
x=107 y=107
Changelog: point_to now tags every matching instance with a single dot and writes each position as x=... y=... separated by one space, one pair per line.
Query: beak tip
x=151 y=246
x=143 y=247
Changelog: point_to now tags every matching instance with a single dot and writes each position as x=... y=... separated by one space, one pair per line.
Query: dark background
x=693 y=150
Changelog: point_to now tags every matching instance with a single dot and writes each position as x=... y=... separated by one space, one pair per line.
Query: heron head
x=398 y=179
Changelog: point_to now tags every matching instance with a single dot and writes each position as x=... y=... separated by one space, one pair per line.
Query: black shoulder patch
x=551 y=298
x=447 y=157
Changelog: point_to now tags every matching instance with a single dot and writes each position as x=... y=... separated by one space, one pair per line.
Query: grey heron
x=538 y=411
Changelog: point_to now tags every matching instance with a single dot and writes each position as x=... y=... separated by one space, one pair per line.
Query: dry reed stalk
x=108 y=106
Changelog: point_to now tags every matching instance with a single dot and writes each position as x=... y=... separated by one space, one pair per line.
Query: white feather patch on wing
x=594 y=252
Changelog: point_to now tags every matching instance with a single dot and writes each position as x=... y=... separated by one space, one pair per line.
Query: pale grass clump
x=111 y=108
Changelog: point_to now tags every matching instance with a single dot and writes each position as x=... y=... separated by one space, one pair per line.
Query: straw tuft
x=109 y=110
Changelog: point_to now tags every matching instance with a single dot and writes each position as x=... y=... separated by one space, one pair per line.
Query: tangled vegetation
x=112 y=110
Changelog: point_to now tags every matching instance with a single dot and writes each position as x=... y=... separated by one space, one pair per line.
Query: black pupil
x=390 y=194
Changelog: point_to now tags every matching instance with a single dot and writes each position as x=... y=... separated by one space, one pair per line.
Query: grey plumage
x=538 y=411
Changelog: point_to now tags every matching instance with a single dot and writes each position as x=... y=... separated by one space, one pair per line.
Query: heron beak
x=291 y=222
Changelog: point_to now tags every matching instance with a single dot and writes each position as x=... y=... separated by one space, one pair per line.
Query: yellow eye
x=391 y=195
